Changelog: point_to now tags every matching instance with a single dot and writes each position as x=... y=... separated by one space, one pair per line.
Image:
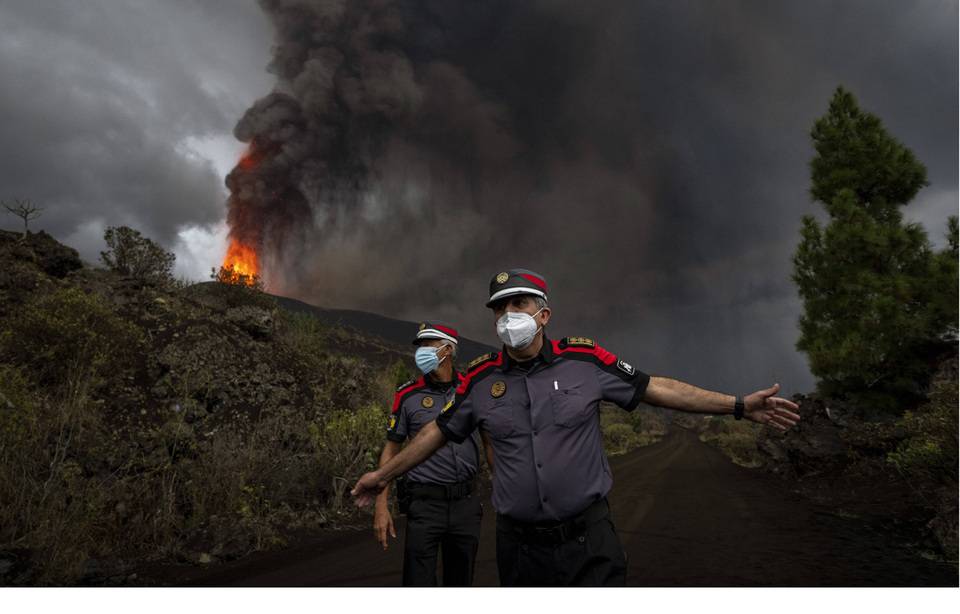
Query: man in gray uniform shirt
x=538 y=401
x=443 y=511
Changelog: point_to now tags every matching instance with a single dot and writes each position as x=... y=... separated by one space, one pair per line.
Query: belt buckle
x=550 y=535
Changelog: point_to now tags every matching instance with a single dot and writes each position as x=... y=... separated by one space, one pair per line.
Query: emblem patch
x=625 y=367
x=476 y=361
x=502 y=278
x=427 y=402
x=497 y=390
x=582 y=341
x=393 y=422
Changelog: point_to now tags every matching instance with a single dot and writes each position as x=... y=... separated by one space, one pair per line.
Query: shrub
x=68 y=337
x=736 y=439
x=618 y=438
x=929 y=453
x=348 y=444
x=134 y=255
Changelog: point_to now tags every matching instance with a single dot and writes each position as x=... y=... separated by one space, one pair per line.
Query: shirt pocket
x=500 y=421
x=570 y=407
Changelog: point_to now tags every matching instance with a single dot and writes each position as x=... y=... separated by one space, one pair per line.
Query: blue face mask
x=426 y=359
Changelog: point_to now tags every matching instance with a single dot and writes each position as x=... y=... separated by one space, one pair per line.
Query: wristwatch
x=738 y=408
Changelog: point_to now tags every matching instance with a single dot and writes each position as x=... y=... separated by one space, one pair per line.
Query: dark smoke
x=634 y=153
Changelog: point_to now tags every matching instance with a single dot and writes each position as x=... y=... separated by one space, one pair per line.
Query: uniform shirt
x=418 y=403
x=543 y=420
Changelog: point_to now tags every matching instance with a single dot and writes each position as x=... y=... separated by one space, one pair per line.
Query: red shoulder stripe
x=398 y=398
x=601 y=354
x=466 y=379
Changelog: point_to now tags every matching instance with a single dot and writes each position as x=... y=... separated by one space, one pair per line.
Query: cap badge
x=497 y=390
x=427 y=402
x=502 y=277
x=423 y=325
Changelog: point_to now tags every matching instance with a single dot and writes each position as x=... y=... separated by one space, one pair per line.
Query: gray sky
x=663 y=152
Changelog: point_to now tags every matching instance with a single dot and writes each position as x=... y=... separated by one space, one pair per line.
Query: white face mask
x=517 y=329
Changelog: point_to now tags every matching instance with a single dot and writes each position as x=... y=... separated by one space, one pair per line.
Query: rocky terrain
x=145 y=421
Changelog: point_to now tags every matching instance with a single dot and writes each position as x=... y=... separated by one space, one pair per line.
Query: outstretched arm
x=761 y=406
x=428 y=440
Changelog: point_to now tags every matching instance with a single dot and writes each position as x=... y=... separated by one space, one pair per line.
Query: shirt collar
x=442 y=387
x=546 y=354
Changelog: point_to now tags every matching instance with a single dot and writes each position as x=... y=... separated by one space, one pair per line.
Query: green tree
x=880 y=306
x=132 y=254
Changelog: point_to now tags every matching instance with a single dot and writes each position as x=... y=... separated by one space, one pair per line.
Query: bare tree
x=25 y=210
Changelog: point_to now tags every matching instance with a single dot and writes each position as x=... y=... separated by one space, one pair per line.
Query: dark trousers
x=450 y=526
x=592 y=556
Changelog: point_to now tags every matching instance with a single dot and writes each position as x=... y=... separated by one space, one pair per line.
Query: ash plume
x=402 y=159
x=649 y=158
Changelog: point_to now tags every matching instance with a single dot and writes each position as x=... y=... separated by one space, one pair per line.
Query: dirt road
x=686 y=517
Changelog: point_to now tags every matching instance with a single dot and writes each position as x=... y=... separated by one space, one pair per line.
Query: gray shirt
x=418 y=403
x=543 y=421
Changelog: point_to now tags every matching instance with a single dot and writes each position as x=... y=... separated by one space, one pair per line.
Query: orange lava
x=240 y=265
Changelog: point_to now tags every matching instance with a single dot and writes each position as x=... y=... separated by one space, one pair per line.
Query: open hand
x=383 y=524
x=763 y=407
x=367 y=488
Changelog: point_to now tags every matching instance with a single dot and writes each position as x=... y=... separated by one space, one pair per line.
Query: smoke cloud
x=648 y=158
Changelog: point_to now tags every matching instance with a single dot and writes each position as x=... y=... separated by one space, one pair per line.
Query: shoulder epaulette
x=405 y=390
x=405 y=384
x=478 y=367
x=479 y=359
x=583 y=347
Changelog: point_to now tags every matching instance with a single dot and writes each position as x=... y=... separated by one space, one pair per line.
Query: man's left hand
x=763 y=407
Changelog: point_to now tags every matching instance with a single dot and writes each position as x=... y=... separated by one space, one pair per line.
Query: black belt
x=420 y=490
x=551 y=533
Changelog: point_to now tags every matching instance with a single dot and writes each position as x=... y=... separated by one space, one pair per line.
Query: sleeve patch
x=406 y=384
x=626 y=367
x=580 y=341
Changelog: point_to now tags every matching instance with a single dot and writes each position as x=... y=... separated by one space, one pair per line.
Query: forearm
x=390 y=450
x=487 y=450
x=428 y=440
x=674 y=394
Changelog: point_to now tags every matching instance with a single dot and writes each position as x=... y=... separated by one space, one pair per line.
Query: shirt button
x=534 y=433
x=545 y=499
x=539 y=466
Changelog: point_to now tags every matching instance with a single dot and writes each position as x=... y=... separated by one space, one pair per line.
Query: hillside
x=146 y=421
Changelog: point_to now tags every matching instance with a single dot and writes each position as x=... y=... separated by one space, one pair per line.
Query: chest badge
x=497 y=390
x=427 y=402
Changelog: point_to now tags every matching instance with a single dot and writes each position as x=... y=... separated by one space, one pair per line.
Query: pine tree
x=880 y=307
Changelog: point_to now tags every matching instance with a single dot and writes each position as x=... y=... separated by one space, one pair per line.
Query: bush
x=48 y=450
x=348 y=445
x=134 y=255
x=929 y=454
x=68 y=337
x=618 y=438
x=736 y=439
